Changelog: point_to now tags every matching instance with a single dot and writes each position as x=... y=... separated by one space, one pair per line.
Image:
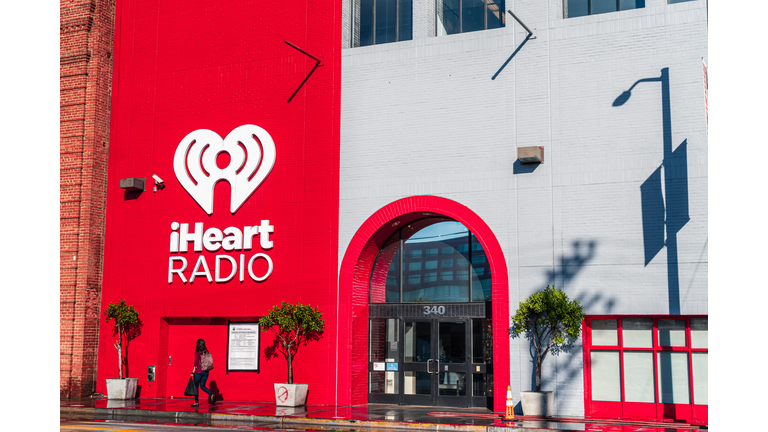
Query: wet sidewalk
x=265 y=416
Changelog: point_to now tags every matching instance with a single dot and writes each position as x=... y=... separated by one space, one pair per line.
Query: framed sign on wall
x=243 y=346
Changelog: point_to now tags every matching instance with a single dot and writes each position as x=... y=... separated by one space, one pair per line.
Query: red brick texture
x=87 y=34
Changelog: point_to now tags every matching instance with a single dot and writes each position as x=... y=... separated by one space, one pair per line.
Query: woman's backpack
x=206 y=362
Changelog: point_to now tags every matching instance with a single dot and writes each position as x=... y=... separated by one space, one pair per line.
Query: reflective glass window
x=673 y=377
x=605 y=332
x=382 y=21
x=431 y=260
x=637 y=332
x=699 y=332
x=480 y=272
x=577 y=8
x=462 y=16
x=700 y=383
x=443 y=239
x=604 y=367
x=671 y=332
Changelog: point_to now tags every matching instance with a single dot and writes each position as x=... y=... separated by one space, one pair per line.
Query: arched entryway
x=357 y=271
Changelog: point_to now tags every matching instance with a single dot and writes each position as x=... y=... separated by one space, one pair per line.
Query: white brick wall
x=425 y=117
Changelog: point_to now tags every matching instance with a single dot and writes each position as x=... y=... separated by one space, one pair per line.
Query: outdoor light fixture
x=133 y=184
x=530 y=155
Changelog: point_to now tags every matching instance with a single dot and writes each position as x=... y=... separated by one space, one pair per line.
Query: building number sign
x=434 y=310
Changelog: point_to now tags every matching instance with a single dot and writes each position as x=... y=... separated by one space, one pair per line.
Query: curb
x=216 y=419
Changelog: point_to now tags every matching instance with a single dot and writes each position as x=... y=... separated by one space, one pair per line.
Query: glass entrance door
x=443 y=361
x=435 y=362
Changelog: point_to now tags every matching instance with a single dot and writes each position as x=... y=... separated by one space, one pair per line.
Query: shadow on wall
x=521 y=168
x=132 y=332
x=511 y=57
x=664 y=195
x=570 y=266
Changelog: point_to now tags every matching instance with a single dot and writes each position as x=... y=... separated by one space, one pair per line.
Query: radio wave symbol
x=252 y=157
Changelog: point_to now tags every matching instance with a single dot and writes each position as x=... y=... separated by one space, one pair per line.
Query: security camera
x=157 y=179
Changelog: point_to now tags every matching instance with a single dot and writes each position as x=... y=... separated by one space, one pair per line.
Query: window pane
x=605 y=332
x=472 y=15
x=604 y=371
x=383 y=382
x=481 y=272
x=495 y=13
x=632 y=4
x=406 y=20
x=452 y=384
x=700 y=378
x=671 y=332
x=450 y=17
x=443 y=238
x=482 y=341
x=673 y=377
x=451 y=342
x=386 y=20
x=366 y=22
x=699 y=332
x=417 y=342
x=385 y=287
x=638 y=376
x=482 y=384
x=637 y=332
x=383 y=340
x=601 y=6
x=577 y=8
x=418 y=383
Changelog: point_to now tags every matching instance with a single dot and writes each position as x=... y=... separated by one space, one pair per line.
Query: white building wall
x=426 y=117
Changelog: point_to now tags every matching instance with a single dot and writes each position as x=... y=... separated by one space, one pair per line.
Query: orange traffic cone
x=510 y=415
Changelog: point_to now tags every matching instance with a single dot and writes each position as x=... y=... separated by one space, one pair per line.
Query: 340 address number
x=434 y=310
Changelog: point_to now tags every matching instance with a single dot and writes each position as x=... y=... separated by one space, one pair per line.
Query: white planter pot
x=537 y=404
x=122 y=388
x=291 y=395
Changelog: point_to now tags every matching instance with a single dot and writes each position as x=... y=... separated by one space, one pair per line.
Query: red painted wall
x=186 y=65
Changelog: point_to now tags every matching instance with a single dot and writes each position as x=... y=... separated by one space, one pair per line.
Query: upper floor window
x=382 y=21
x=577 y=8
x=462 y=16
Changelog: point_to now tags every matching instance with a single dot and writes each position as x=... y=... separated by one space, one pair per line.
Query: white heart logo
x=252 y=157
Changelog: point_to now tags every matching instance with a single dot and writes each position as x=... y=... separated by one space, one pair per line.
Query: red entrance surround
x=354 y=277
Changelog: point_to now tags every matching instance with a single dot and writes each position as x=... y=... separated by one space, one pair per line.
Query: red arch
x=354 y=277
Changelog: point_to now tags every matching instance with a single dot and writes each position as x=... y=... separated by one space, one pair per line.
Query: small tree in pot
x=294 y=325
x=552 y=322
x=127 y=327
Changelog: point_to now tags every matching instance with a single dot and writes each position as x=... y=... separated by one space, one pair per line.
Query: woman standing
x=201 y=376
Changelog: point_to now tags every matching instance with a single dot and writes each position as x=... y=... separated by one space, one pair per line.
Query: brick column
x=87 y=35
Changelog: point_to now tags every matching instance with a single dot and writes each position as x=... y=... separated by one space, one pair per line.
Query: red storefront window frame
x=656 y=411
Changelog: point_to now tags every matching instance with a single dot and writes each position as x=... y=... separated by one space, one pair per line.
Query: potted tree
x=552 y=322
x=127 y=327
x=294 y=325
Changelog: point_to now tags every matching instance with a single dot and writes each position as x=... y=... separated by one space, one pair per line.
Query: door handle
x=428 y=370
x=437 y=371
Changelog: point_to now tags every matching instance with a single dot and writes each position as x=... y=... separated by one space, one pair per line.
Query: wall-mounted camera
x=159 y=183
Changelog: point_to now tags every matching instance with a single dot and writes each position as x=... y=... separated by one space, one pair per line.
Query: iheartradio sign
x=252 y=157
